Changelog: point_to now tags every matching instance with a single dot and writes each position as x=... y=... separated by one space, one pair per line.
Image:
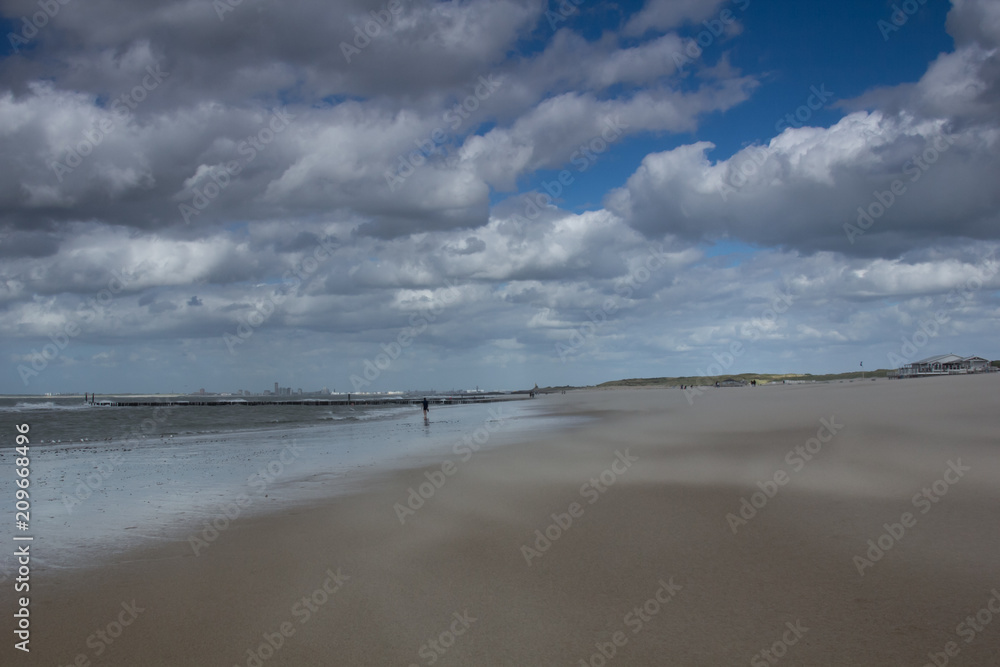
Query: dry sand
x=664 y=519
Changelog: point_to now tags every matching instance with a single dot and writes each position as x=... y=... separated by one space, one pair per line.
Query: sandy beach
x=852 y=523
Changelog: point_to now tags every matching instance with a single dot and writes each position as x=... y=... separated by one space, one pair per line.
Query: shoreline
x=655 y=530
x=117 y=494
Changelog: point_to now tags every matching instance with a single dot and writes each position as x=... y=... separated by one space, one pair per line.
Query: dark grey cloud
x=161 y=307
x=28 y=244
x=273 y=51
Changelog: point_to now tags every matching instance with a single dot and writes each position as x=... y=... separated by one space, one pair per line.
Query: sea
x=103 y=479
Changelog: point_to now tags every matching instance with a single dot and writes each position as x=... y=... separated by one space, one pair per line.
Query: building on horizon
x=943 y=364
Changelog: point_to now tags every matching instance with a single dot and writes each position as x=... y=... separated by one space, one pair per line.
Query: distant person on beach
x=426 y=406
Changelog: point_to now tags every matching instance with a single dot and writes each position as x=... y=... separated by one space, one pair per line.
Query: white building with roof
x=943 y=364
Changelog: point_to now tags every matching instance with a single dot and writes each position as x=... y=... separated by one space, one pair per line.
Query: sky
x=414 y=195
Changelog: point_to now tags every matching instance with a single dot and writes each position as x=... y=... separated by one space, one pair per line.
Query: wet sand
x=642 y=555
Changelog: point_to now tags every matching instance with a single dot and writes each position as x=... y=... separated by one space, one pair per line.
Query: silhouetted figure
x=426 y=407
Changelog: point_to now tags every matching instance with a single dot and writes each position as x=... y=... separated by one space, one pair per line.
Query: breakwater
x=125 y=402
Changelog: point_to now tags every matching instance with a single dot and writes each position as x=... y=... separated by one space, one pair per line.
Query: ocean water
x=105 y=478
x=70 y=420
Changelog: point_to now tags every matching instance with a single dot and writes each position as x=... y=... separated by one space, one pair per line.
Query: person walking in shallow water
x=426 y=406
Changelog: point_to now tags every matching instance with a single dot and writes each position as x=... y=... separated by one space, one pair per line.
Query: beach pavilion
x=944 y=364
